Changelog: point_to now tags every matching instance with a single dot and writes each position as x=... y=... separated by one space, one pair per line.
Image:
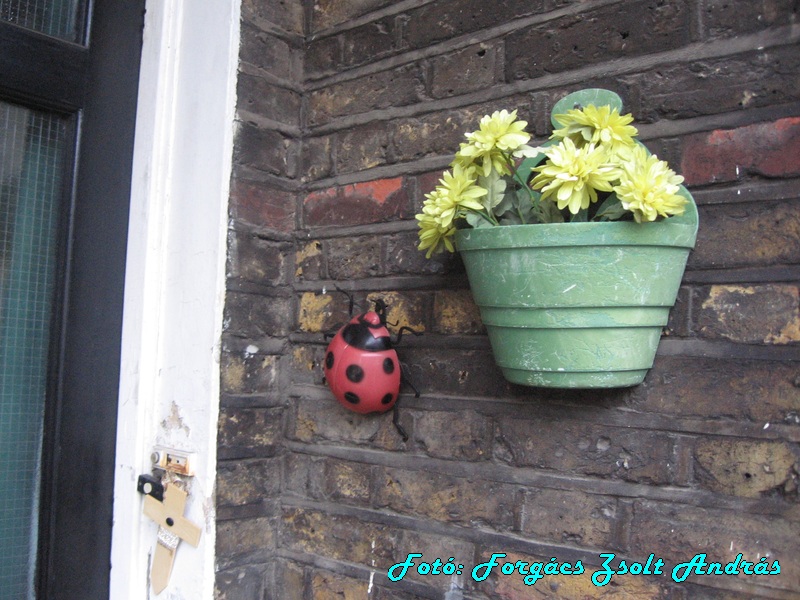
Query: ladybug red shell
x=361 y=365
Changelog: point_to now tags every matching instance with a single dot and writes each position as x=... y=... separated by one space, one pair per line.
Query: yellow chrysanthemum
x=500 y=134
x=455 y=193
x=433 y=236
x=574 y=175
x=456 y=190
x=598 y=125
x=648 y=187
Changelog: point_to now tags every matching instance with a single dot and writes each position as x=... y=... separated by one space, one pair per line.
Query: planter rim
x=678 y=231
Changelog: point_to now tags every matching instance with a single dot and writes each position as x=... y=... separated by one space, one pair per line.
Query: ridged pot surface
x=577 y=304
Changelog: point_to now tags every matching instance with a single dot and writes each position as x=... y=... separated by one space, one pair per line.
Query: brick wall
x=348 y=112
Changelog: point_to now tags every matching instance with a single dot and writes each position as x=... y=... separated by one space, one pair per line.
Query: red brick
x=358 y=204
x=262 y=205
x=766 y=149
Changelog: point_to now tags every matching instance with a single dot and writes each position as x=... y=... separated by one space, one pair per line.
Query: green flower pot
x=577 y=305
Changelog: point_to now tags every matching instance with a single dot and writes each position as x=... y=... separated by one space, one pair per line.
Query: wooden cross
x=172 y=528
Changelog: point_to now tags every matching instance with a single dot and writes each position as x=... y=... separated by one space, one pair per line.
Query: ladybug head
x=361 y=366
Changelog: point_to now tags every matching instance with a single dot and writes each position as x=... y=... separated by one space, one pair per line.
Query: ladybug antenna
x=350 y=300
x=400 y=334
x=396 y=421
x=380 y=309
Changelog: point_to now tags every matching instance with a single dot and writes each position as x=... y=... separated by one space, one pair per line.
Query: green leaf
x=590 y=96
x=610 y=210
x=549 y=213
x=582 y=216
x=496 y=187
x=476 y=220
x=507 y=203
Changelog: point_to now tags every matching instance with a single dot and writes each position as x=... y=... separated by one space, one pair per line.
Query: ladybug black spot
x=352 y=398
x=386 y=399
x=354 y=373
x=388 y=366
x=329 y=360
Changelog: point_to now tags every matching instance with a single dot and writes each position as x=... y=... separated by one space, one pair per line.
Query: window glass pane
x=64 y=19
x=32 y=148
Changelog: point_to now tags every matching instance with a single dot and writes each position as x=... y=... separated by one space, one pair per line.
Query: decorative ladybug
x=361 y=365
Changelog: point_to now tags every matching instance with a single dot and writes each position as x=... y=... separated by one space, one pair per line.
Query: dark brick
x=724 y=18
x=255 y=316
x=749 y=314
x=307 y=363
x=361 y=148
x=401 y=257
x=468 y=70
x=455 y=312
x=243 y=583
x=437 y=134
x=765 y=149
x=447 y=19
x=748 y=468
x=247 y=482
x=322 y=313
x=445 y=498
x=262 y=205
x=680 y=531
x=248 y=373
x=258 y=96
x=346 y=482
x=433 y=546
x=596 y=36
x=251 y=258
x=322 y=56
x=330 y=586
x=454 y=371
x=269 y=53
x=317 y=421
x=570 y=517
x=310 y=262
x=265 y=150
x=246 y=541
x=339 y=537
x=712 y=86
x=579 y=448
x=354 y=258
x=385 y=89
x=358 y=204
x=577 y=587
x=286 y=14
x=317 y=161
x=468 y=437
x=369 y=42
x=286 y=581
x=679 y=323
x=329 y=13
x=404 y=309
x=248 y=432
x=682 y=386
x=733 y=235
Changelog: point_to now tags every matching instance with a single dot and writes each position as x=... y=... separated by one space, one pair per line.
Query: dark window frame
x=96 y=87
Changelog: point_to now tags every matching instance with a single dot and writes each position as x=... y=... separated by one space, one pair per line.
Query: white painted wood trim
x=175 y=281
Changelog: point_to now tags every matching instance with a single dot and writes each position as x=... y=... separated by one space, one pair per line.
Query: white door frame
x=175 y=281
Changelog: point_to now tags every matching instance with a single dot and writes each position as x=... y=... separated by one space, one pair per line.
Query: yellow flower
x=648 y=187
x=499 y=134
x=456 y=190
x=433 y=236
x=456 y=193
x=598 y=125
x=574 y=175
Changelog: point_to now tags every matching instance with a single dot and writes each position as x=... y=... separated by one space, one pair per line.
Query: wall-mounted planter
x=577 y=305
